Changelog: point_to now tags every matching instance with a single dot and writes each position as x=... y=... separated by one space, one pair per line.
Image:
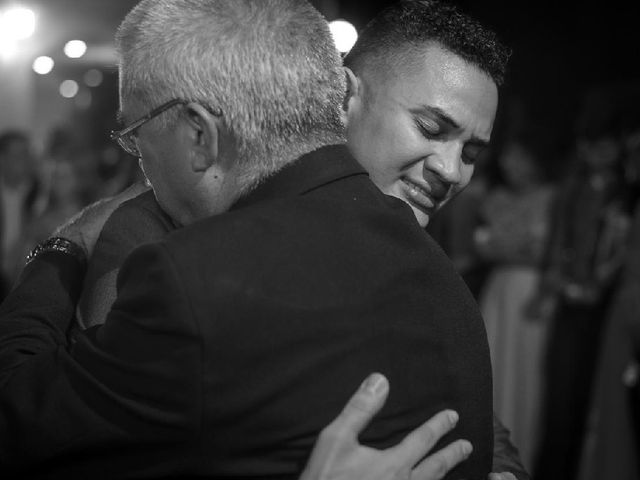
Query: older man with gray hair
x=266 y=82
x=233 y=341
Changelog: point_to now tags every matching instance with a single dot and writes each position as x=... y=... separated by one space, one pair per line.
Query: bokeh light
x=93 y=77
x=43 y=65
x=69 y=88
x=17 y=23
x=344 y=35
x=75 y=48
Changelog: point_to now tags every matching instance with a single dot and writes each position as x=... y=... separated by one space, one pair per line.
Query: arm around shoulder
x=134 y=223
x=114 y=387
x=37 y=312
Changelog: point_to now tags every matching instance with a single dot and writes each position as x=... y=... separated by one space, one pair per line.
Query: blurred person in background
x=99 y=171
x=515 y=222
x=611 y=448
x=20 y=189
x=60 y=198
x=60 y=202
x=581 y=266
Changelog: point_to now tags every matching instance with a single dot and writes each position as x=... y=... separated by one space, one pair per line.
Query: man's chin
x=421 y=216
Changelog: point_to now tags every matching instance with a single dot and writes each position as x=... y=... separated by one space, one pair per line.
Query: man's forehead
x=437 y=68
x=439 y=83
x=413 y=74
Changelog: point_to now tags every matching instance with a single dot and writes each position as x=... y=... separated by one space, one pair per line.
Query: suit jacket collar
x=324 y=165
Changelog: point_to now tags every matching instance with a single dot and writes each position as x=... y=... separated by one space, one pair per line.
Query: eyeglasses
x=126 y=138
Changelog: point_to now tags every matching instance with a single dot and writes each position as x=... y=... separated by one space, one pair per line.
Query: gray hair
x=270 y=66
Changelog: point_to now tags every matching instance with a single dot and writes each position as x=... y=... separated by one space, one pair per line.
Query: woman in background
x=512 y=238
x=611 y=447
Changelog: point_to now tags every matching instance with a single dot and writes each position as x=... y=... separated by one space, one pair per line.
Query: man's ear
x=204 y=136
x=353 y=90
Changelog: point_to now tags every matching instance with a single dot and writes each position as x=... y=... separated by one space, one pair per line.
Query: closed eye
x=428 y=129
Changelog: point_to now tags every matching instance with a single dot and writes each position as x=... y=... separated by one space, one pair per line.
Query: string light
x=17 y=23
x=75 y=48
x=43 y=65
x=344 y=35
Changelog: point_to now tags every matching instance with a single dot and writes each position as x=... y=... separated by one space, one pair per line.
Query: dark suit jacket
x=141 y=220
x=235 y=340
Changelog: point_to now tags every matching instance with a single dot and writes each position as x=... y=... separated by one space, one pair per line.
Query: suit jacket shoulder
x=132 y=385
x=136 y=222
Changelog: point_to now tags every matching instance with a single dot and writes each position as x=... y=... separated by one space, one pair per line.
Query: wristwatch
x=58 y=244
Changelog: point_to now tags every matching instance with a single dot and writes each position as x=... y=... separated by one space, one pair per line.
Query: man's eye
x=427 y=128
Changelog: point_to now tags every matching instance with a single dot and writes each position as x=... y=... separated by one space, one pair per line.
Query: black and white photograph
x=319 y=240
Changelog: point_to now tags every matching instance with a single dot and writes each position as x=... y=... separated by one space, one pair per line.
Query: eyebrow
x=446 y=118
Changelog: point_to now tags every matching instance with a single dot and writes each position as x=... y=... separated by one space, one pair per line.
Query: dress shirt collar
x=320 y=167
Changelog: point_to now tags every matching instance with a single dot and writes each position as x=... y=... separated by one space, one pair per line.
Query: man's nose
x=445 y=163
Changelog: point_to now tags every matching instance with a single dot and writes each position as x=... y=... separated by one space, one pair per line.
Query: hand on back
x=338 y=455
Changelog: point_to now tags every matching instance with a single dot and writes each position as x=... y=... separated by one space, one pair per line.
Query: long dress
x=582 y=264
x=516 y=228
x=611 y=448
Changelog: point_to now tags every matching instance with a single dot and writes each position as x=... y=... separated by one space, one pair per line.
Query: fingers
x=420 y=441
x=437 y=465
x=338 y=440
x=362 y=406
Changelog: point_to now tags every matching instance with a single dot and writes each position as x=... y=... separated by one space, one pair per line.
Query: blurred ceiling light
x=17 y=23
x=43 y=65
x=75 y=48
x=93 y=77
x=344 y=35
x=69 y=88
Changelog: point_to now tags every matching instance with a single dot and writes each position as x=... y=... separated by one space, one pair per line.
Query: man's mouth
x=419 y=196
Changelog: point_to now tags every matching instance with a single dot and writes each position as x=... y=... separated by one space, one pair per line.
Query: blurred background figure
x=515 y=224
x=20 y=190
x=583 y=259
x=61 y=193
x=40 y=192
x=611 y=448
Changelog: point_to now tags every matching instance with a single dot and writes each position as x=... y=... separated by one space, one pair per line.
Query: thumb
x=363 y=405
